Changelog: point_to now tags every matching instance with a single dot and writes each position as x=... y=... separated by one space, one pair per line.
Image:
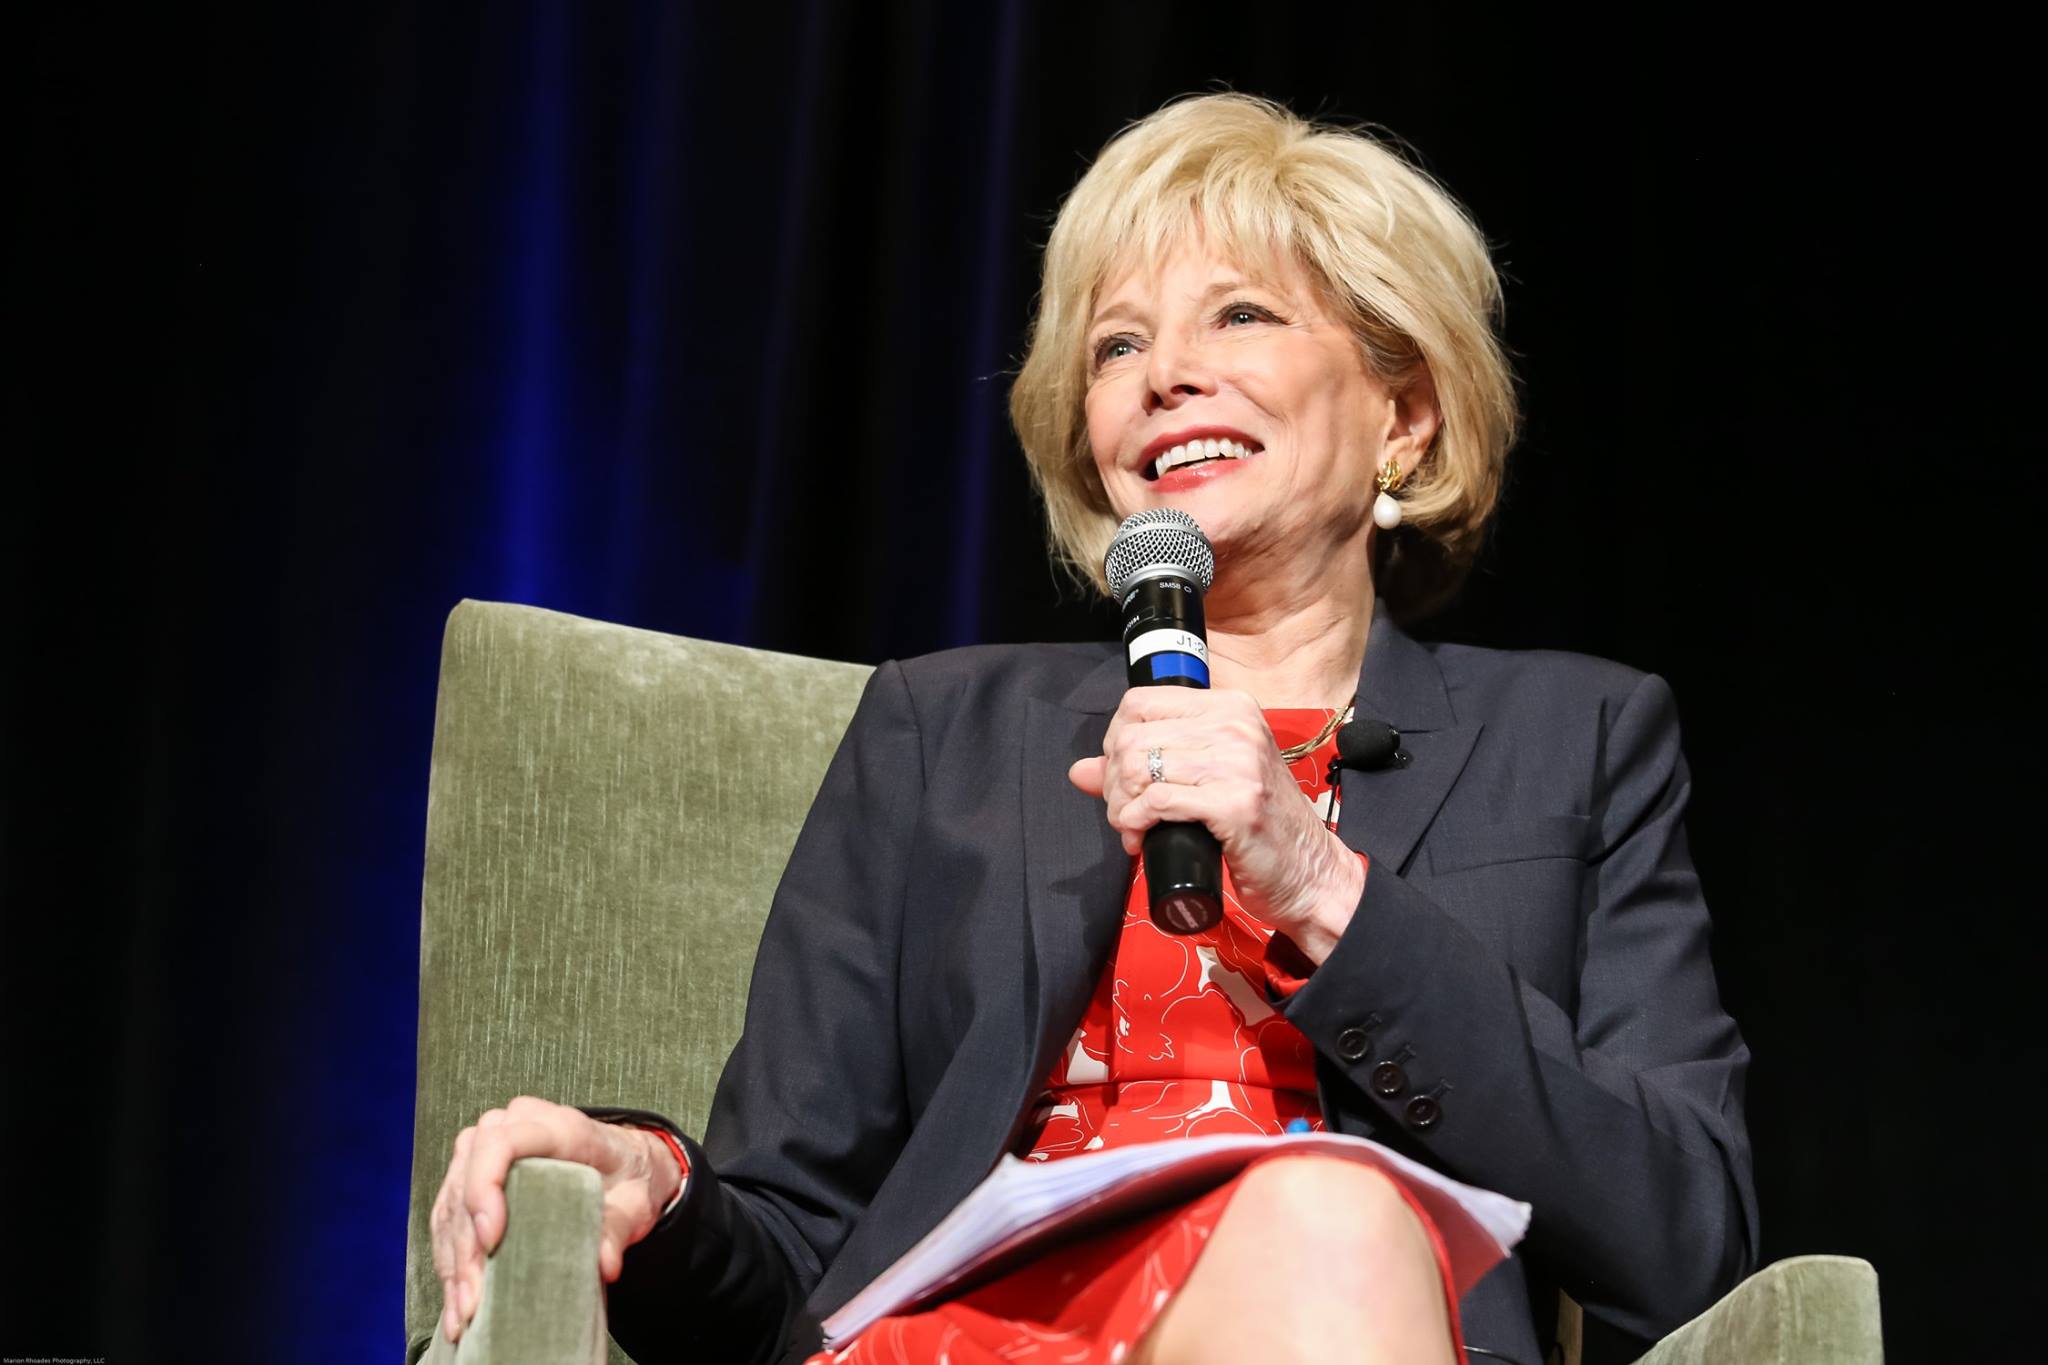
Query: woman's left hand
x=1220 y=767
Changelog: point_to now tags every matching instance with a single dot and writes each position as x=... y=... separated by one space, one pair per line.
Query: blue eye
x=1103 y=348
x=1106 y=349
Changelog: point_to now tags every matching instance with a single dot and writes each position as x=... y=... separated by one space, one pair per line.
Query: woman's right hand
x=639 y=1172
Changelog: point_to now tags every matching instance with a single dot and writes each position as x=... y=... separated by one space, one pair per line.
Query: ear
x=1412 y=419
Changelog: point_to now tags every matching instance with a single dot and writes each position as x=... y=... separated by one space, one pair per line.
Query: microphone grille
x=1157 y=538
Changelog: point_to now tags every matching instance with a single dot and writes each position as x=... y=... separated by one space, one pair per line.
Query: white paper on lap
x=1024 y=1203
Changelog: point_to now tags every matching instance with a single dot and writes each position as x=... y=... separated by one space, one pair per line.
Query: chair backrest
x=608 y=814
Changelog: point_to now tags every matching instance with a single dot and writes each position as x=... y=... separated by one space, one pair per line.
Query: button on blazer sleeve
x=810 y=1111
x=1618 y=1117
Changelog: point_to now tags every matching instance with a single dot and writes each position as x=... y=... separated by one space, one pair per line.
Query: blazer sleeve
x=810 y=1110
x=1620 y=1119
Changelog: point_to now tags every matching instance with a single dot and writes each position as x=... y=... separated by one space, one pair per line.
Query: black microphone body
x=1158 y=566
x=1165 y=645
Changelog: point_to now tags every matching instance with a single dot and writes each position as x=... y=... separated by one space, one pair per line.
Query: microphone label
x=1169 y=641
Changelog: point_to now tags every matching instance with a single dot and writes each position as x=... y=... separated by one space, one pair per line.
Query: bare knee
x=1331 y=1208
x=1315 y=1259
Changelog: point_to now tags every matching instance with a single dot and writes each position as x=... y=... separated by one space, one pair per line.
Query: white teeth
x=1195 y=451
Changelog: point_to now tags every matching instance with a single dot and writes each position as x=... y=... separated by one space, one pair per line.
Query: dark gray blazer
x=1531 y=947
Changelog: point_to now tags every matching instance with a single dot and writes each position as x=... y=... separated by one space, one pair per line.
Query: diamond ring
x=1154 y=767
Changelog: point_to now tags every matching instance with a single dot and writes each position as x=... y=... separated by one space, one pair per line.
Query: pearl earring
x=1386 y=508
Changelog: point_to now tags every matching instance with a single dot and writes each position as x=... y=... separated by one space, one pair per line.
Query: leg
x=1316 y=1259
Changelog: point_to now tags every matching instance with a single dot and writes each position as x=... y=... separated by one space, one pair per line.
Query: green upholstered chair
x=607 y=817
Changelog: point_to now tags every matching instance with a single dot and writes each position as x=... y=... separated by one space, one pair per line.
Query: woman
x=1491 y=956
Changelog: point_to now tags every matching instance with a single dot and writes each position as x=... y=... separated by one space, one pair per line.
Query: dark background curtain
x=327 y=317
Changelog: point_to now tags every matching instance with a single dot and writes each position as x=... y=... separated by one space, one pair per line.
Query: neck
x=1293 y=639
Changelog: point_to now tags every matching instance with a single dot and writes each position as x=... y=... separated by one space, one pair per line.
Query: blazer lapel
x=1385 y=814
x=1075 y=866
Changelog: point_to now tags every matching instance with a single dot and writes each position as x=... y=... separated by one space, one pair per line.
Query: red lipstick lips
x=1161 y=444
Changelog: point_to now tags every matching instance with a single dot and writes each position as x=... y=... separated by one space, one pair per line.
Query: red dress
x=1180 y=1040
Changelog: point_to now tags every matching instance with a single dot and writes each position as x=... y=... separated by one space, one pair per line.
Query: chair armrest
x=1807 y=1310
x=543 y=1303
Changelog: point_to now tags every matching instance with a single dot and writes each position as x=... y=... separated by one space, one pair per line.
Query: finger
x=1218 y=730
x=1135 y=816
x=629 y=1214
x=532 y=1106
x=451 y=1298
x=611 y=1247
x=1088 y=773
x=439 y=1222
x=1186 y=758
x=466 y=1264
x=1162 y=703
x=1130 y=772
x=1174 y=731
x=1223 y=809
x=490 y=1160
x=1179 y=732
x=1223 y=729
x=1137 y=708
x=571 y=1126
x=458 y=1225
x=447 y=1289
x=446 y=1215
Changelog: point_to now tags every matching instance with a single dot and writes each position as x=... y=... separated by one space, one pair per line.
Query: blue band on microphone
x=1171 y=664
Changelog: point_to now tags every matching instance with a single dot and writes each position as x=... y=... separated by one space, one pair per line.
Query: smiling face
x=1260 y=366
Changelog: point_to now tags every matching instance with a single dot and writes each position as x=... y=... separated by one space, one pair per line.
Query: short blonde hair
x=1399 y=259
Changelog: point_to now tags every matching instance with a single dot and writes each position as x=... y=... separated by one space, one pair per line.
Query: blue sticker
x=1173 y=665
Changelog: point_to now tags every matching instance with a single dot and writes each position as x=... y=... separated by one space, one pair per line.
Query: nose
x=1176 y=371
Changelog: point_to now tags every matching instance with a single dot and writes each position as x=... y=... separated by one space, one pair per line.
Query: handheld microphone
x=1159 y=564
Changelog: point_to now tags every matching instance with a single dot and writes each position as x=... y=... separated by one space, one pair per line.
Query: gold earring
x=1386 y=508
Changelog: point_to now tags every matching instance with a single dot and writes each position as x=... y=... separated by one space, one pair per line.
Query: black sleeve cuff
x=1361 y=1006
x=707 y=1282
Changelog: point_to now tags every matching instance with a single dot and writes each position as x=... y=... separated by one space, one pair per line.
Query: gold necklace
x=1303 y=750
